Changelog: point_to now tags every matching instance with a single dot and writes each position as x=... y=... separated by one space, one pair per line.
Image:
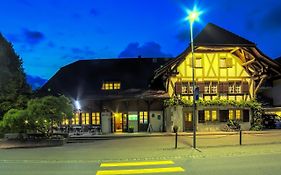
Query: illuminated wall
x=216 y=68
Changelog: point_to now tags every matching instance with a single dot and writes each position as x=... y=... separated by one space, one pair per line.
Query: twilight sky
x=49 y=34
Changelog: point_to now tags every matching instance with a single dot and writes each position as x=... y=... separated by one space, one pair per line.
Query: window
x=65 y=121
x=83 y=117
x=75 y=120
x=95 y=118
x=143 y=117
x=238 y=88
x=207 y=116
x=225 y=62
x=210 y=115
x=214 y=115
x=87 y=119
x=238 y=115
x=187 y=88
x=231 y=115
x=111 y=86
x=211 y=88
x=198 y=62
x=234 y=88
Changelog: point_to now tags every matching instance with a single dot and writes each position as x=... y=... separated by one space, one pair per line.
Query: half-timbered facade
x=226 y=67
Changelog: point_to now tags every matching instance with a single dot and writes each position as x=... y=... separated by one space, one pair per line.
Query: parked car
x=271 y=121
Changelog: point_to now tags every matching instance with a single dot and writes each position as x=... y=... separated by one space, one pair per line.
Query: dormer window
x=111 y=86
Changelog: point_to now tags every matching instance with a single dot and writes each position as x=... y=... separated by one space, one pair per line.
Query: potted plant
x=131 y=129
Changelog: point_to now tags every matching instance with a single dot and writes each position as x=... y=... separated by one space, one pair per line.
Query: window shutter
x=228 y=62
x=223 y=87
x=245 y=87
x=178 y=88
x=201 y=86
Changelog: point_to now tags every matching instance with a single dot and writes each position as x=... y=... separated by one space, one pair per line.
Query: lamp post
x=192 y=17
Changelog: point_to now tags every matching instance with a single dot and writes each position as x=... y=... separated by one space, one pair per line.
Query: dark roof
x=84 y=78
x=217 y=37
x=278 y=60
x=213 y=35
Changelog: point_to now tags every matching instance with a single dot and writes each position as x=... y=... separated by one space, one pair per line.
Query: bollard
x=175 y=128
x=240 y=138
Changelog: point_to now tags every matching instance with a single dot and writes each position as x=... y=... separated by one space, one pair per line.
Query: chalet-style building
x=117 y=94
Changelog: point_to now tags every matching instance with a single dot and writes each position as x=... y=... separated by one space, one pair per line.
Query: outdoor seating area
x=81 y=130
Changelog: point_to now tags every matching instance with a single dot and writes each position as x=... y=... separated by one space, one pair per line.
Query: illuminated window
x=87 y=119
x=214 y=116
x=95 y=118
x=198 y=62
x=116 y=85
x=76 y=119
x=83 y=117
x=111 y=86
x=65 y=121
x=207 y=115
x=231 y=115
x=210 y=115
x=238 y=115
x=143 y=117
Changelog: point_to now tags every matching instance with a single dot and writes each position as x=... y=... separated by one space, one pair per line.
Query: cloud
x=94 y=12
x=33 y=37
x=149 y=49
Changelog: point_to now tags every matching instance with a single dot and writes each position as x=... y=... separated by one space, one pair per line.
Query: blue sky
x=48 y=34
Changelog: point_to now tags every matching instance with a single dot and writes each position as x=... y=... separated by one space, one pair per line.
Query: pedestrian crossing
x=112 y=168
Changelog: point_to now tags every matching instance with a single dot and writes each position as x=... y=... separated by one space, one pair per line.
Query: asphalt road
x=141 y=155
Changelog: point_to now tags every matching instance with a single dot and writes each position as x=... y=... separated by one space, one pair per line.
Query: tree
x=13 y=86
x=47 y=112
x=40 y=115
x=16 y=120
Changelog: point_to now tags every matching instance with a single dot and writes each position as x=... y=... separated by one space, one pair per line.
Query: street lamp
x=192 y=17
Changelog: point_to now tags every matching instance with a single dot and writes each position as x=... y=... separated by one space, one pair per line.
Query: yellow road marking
x=141 y=171
x=136 y=163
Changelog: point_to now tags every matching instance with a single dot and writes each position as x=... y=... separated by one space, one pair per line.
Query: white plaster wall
x=156 y=120
x=106 y=122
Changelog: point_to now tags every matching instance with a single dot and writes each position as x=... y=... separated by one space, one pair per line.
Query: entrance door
x=117 y=122
x=188 y=121
x=125 y=123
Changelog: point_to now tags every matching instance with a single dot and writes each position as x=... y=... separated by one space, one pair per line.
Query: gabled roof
x=84 y=78
x=216 y=37
x=213 y=35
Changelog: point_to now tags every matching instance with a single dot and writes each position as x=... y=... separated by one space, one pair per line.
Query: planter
x=130 y=130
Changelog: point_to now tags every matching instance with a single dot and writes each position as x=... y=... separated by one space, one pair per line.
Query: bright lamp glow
x=193 y=15
x=77 y=104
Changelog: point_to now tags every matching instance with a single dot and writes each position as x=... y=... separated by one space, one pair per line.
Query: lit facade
x=122 y=95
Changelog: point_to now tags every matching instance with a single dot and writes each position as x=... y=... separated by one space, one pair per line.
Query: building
x=118 y=94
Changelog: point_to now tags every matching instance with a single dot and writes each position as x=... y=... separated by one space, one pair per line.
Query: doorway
x=117 y=120
x=188 y=121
